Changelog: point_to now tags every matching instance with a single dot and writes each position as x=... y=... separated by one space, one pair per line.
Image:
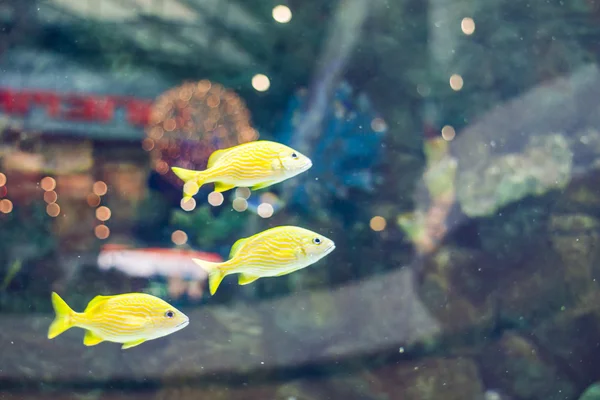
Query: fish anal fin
x=262 y=185
x=223 y=187
x=215 y=156
x=245 y=279
x=91 y=339
x=96 y=301
x=133 y=343
x=236 y=247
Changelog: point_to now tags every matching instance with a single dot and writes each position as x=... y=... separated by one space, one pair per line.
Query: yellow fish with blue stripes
x=275 y=252
x=131 y=319
x=256 y=165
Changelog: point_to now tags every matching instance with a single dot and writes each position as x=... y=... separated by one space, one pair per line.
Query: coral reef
x=347 y=152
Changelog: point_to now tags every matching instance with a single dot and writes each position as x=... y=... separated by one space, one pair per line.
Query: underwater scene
x=300 y=199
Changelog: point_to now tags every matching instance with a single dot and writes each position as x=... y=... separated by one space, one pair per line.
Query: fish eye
x=317 y=240
x=169 y=314
x=294 y=155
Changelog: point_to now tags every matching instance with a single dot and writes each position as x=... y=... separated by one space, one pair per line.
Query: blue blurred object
x=348 y=147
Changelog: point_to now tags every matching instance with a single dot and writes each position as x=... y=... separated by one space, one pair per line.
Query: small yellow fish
x=256 y=165
x=130 y=319
x=275 y=252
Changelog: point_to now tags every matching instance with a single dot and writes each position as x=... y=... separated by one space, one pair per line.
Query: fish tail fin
x=188 y=175
x=215 y=273
x=64 y=317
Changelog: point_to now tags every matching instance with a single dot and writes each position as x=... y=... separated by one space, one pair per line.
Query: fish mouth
x=183 y=324
x=329 y=249
x=306 y=166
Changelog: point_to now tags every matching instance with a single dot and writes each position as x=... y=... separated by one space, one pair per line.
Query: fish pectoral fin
x=245 y=279
x=262 y=185
x=91 y=339
x=131 y=344
x=223 y=187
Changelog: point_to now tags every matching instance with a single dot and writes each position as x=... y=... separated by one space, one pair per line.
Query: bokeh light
x=240 y=204
x=282 y=14
x=377 y=223
x=265 y=210
x=215 y=199
x=189 y=122
x=456 y=82
x=6 y=206
x=448 y=133
x=242 y=192
x=148 y=144
x=103 y=213
x=102 y=232
x=2 y=179
x=48 y=184
x=100 y=188
x=179 y=237
x=93 y=200
x=50 y=197
x=53 y=210
x=190 y=188
x=378 y=125
x=468 y=26
x=188 y=205
x=261 y=83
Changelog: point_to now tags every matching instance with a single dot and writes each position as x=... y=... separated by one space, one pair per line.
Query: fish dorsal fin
x=91 y=339
x=237 y=246
x=215 y=156
x=95 y=301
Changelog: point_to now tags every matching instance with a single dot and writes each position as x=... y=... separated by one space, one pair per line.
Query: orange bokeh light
x=103 y=213
x=102 y=232
x=100 y=188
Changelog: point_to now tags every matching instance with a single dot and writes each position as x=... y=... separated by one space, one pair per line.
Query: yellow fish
x=275 y=252
x=256 y=165
x=130 y=319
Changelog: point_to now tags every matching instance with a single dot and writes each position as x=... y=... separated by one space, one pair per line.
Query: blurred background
x=456 y=147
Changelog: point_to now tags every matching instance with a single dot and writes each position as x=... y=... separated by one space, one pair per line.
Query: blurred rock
x=457 y=286
x=545 y=163
x=524 y=370
x=571 y=340
x=433 y=379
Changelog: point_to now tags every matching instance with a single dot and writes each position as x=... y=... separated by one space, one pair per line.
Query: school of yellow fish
x=133 y=318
